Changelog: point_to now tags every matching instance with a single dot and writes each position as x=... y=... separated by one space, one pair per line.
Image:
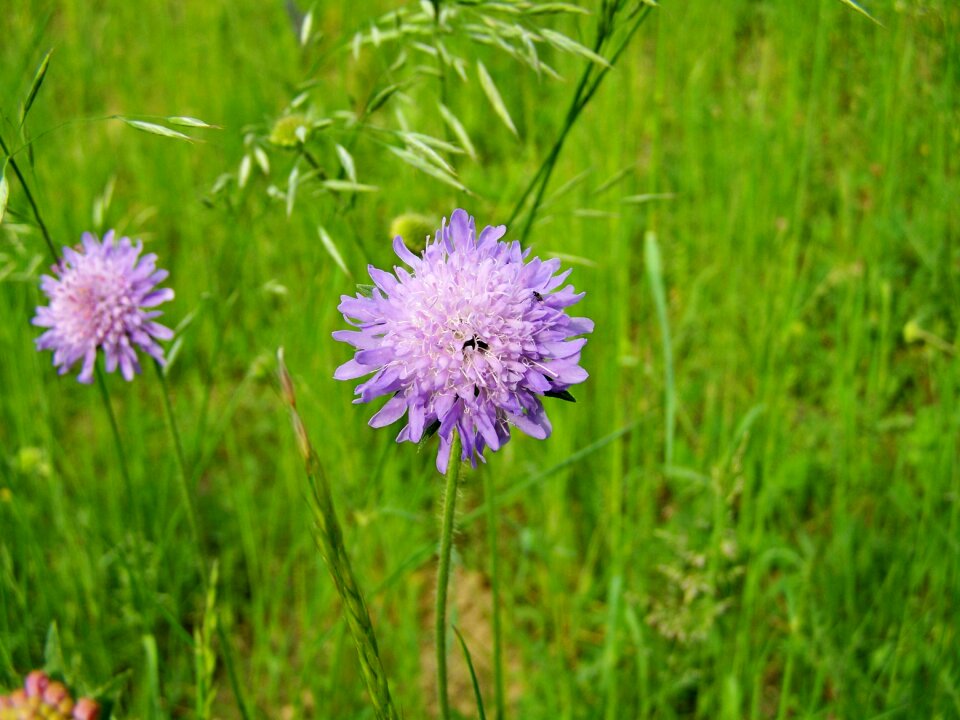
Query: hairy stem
x=443 y=571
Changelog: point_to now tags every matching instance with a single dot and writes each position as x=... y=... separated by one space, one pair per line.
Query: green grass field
x=757 y=519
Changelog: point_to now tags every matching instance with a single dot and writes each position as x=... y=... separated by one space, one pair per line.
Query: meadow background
x=792 y=552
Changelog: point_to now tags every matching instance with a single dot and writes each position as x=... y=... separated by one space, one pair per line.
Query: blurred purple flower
x=99 y=298
x=471 y=340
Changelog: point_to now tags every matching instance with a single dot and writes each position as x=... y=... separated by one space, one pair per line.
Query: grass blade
x=52 y=652
x=647 y=197
x=860 y=9
x=38 y=77
x=348 y=186
x=654 y=265
x=493 y=95
x=473 y=675
x=333 y=250
x=4 y=190
x=153 y=676
x=329 y=538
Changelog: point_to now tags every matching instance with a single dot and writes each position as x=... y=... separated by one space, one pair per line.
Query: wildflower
x=100 y=299
x=42 y=697
x=471 y=340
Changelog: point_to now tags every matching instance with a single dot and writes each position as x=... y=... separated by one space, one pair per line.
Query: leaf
x=186 y=121
x=38 y=77
x=562 y=42
x=493 y=95
x=52 y=653
x=153 y=675
x=112 y=687
x=473 y=675
x=612 y=180
x=346 y=160
x=560 y=395
x=654 y=267
x=860 y=9
x=333 y=250
x=4 y=191
x=457 y=128
x=348 y=186
x=172 y=354
x=155 y=129
x=647 y=197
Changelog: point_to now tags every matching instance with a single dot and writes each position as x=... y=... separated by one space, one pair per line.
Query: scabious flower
x=41 y=697
x=471 y=340
x=100 y=298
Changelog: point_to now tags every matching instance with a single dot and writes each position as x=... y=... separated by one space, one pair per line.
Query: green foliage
x=798 y=164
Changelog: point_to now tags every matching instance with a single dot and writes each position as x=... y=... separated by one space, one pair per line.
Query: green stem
x=443 y=572
x=491 y=493
x=117 y=443
x=586 y=88
x=185 y=490
x=31 y=200
x=184 y=478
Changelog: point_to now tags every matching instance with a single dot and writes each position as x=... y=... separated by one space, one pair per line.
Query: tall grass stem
x=183 y=475
x=588 y=85
x=329 y=538
x=30 y=199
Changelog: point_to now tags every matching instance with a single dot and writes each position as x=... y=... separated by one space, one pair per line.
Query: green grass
x=794 y=554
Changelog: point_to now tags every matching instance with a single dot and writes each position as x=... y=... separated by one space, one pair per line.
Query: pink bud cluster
x=41 y=697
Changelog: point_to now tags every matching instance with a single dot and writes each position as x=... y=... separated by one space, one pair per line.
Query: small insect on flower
x=101 y=297
x=471 y=339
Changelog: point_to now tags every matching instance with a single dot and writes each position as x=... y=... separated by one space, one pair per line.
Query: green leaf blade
x=38 y=78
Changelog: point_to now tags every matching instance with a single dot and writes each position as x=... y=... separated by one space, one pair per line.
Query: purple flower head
x=472 y=339
x=99 y=299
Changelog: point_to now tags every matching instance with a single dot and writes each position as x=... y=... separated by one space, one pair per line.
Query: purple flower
x=99 y=299
x=472 y=339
